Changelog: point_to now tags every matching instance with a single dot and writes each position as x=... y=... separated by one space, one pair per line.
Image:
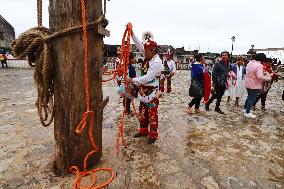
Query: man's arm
x=174 y=67
x=214 y=74
x=153 y=71
x=138 y=43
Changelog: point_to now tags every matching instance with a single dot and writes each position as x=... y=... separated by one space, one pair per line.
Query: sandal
x=189 y=110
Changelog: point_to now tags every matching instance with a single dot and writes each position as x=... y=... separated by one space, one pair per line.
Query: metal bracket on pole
x=102 y=105
x=102 y=31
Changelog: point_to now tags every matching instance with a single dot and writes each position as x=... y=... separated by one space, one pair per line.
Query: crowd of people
x=237 y=79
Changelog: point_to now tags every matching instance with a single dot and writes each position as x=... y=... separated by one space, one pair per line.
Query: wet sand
x=193 y=151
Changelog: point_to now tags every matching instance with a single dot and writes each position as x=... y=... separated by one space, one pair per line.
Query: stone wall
x=7 y=33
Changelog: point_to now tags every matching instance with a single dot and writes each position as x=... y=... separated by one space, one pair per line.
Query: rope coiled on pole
x=32 y=44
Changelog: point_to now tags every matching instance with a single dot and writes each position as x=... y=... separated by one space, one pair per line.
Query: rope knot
x=74 y=170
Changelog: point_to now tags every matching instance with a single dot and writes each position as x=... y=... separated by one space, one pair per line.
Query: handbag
x=196 y=88
x=266 y=85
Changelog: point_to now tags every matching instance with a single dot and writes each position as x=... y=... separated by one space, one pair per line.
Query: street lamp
x=252 y=46
x=233 y=40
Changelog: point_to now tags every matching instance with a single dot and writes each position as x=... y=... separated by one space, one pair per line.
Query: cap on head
x=168 y=52
x=150 y=44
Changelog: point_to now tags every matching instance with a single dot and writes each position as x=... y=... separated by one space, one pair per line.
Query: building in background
x=7 y=35
x=182 y=57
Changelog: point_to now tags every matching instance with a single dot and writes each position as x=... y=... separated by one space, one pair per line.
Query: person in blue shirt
x=197 y=71
x=131 y=74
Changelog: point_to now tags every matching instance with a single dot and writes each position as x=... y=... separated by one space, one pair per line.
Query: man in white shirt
x=169 y=69
x=149 y=93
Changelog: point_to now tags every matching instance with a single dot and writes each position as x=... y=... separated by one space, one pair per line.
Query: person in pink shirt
x=253 y=82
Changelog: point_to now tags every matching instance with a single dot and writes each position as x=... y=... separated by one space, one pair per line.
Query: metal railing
x=17 y=63
x=110 y=66
x=183 y=66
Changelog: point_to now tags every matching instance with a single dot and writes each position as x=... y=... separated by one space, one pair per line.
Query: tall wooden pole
x=69 y=96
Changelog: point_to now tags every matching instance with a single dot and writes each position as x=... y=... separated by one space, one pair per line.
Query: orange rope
x=123 y=68
x=82 y=124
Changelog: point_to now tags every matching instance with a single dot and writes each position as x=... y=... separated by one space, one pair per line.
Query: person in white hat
x=148 y=89
x=169 y=69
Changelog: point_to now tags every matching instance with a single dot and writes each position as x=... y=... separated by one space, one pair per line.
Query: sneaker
x=249 y=115
x=151 y=140
x=137 y=135
x=219 y=111
x=253 y=108
x=263 y=108
x=244 y=111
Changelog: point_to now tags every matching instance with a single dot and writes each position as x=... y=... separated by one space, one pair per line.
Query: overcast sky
x=200 y=24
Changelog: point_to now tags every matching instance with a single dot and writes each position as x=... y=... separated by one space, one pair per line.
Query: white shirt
x=171 y=65
x=154 y=70
x=240 y=72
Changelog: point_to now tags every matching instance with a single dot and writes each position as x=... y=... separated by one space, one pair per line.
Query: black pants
x=195 y=101
x=128 y=103
x=261 y=96
x=220 y=90
x=4 y=62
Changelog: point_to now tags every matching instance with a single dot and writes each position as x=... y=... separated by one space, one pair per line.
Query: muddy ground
x=193 y=151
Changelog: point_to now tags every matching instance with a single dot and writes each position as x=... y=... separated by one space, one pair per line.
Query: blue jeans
x=252 y=94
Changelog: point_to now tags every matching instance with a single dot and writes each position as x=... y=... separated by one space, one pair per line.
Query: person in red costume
x=148 y=85
x=168 y=72
x=267 y=69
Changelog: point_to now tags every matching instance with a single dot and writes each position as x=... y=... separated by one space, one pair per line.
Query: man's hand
x=129 y=25
x=128 y=80
x=139 y=117
x=159 y=95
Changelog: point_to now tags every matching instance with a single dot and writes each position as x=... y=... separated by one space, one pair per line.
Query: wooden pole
x=69 y=96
